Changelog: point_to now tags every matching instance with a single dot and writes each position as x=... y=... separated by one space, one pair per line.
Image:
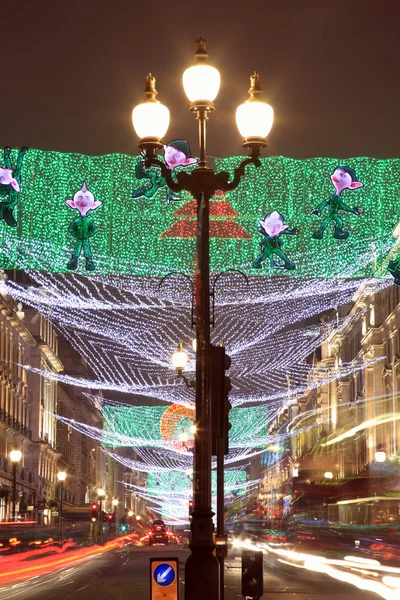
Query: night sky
x=73 y=71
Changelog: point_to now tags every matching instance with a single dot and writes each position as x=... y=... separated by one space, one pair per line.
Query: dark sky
x=72 y=72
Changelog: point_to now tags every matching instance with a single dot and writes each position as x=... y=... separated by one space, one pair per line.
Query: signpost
x=164 y=579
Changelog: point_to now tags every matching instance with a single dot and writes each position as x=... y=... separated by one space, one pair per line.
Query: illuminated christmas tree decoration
x=223 y=222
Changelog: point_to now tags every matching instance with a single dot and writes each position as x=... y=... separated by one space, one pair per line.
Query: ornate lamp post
x=100 y=494
x=61 y=476
x=150 y=120
x=15 y=457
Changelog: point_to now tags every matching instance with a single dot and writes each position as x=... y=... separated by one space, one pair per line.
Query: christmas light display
x=82 y=228
x=343 y=178
x=394 y=269
x=133 y=240
x=127 y=327
x=171 y=491
x=10 y=185
x=272 y=228
x=176 y=154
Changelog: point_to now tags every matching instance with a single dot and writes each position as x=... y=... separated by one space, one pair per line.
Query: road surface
x=124 y=575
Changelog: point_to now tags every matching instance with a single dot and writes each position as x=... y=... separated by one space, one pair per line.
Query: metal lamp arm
x=222 y=178
x=186 y=181
x=190 y=383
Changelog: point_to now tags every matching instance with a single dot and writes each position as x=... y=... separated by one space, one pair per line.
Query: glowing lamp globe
x=101 y=492
x=201 y=82
x=115 y=502
x=179 y=358
x=61 y=476
x=254 y=118
x=380 y=456
x=151 y=118
x=130 y=513
x=15 y=456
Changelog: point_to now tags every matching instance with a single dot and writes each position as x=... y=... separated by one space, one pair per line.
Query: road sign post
x=164 y=578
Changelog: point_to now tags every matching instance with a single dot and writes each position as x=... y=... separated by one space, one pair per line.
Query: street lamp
x=15 y=457
x=100 y=494
x=179 y=359
x=115 y=504
x=61 y=476
x=254 y=118
x=380 y=456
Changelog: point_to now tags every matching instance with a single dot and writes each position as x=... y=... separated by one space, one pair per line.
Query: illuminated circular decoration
x=175 y=424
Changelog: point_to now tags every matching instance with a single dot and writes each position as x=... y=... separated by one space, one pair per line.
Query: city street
x=200 y=301
x=124 y=575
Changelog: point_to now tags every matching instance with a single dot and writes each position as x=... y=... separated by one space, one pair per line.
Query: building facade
x=340 y=462
x=29 y=406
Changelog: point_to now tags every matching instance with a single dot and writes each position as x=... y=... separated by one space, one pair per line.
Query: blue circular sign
x=164 y=574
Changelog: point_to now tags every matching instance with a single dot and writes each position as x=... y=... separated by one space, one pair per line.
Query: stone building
x=341 y=461
x=29 y=404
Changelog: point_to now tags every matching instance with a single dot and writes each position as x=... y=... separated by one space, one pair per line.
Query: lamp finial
x=150 y=90
x=201 y=51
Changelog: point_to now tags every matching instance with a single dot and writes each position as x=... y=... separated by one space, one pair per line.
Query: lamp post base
x=201 y=577
x=201 y=568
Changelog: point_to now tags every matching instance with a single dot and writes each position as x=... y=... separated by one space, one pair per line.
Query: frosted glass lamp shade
x=15 y=456
x=179 y=358
x=61 y=476
x=201 y=82
x=254 y=119
x=150 y=120
x=380 y=456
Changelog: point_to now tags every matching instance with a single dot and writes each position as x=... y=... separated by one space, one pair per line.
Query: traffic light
x=95 y=513
x=220 y=386
x=191 y=506
x=111 y=517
